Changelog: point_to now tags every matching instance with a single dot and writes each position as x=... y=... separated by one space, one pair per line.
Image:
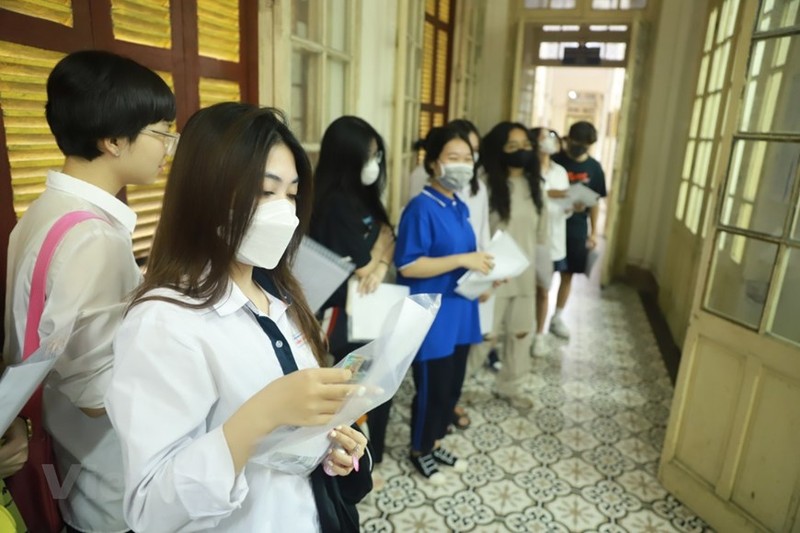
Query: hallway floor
x=584 y=459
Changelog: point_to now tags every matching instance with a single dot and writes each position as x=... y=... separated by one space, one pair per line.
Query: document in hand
x=378 y=368
x=509 y=262
x=580 y=193
x=319 y=271
x=19 y=381
x=367 y=312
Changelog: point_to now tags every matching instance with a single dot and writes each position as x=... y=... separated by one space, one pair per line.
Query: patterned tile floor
x=584 y=459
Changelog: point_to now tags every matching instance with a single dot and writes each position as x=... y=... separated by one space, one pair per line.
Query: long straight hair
x=497 y=171
x=212 y=192
x=343 y=153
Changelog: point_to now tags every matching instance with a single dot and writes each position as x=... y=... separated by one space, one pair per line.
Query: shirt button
x=279 y=344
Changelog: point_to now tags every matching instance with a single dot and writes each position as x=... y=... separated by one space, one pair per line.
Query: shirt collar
x=234 y=299
x=96 y=196
x=438 y=197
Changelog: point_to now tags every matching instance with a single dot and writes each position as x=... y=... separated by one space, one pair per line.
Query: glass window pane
x=562 y=4
x=740 y=277
x=776 y=14
x=604 y=4
x=759 y=185
x=784 y=323
x=336 y=89
x=305 y=107
x=633 y=4
x=305 y=19
x=770 y=101
x=337 y=24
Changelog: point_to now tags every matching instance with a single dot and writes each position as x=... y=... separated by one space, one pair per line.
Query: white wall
x=374 y=93
x=662 y=133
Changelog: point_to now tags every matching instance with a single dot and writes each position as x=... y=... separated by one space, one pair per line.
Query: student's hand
x=14 y=448
x=369 y=283
x=308 y=397
x=484 y=297
x=347 y=444
x=479 y=261
x=579 y=207
x=499 y=282
x=591 y=242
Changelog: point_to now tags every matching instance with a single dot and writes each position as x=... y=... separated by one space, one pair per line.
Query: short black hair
x=583 y=132
x=435 y=141
x=93 y=95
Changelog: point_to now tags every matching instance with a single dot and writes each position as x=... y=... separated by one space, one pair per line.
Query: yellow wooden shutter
x=144 y=22
x=59 y=11
x=214 y=90
x=218 y=29
x=32 y=150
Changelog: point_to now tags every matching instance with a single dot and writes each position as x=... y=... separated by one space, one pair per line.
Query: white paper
x=509 y=262
x=580 y=193
x=367 y=312
x=298 y=450
x=19 y=381
x=577 y=193
x=319 y=271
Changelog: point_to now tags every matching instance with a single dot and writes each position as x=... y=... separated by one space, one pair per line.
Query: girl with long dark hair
x=219 y=347
x=515 y=202
x=350 y=219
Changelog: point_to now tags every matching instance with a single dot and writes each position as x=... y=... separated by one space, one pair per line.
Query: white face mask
x=269 y=234
x=549 y=145
x=455 y=176
x=370 y=172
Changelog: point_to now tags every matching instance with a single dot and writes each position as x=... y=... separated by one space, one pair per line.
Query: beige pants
x=514 y=319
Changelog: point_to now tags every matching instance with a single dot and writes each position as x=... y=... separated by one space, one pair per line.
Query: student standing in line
x=476 y=197
x=515 y=199
x=556 y=185
x=219 y=347
x=350 y=219
x=581 y=168
x=110 y=117
x=435 y=247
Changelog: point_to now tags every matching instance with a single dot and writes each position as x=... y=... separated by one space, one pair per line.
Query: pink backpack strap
x=39 y=279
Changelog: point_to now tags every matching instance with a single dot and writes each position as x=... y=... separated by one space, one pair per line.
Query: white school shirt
x=556 y=179
x=91 y=273
x=180 y=374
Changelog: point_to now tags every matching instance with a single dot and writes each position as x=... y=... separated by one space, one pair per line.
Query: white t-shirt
x=91 y=274
x=556 y=179
x=180 y=374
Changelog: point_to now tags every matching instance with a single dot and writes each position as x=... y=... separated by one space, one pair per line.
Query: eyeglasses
x=170 y=140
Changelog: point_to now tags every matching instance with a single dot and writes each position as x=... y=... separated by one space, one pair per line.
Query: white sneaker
x=558 y=328
x=540 y=345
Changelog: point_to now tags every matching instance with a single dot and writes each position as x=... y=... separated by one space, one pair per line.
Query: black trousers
x=378 y=418
x=438 y=383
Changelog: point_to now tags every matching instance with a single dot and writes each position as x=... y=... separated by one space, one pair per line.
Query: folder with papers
x=319 y=271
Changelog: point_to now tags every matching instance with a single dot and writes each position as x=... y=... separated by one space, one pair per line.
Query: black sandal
x=458 y=420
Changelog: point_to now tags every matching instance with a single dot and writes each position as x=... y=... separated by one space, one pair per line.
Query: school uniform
x=556 y=179
x=434 y=225
x=92 y=272
x=181 y=373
